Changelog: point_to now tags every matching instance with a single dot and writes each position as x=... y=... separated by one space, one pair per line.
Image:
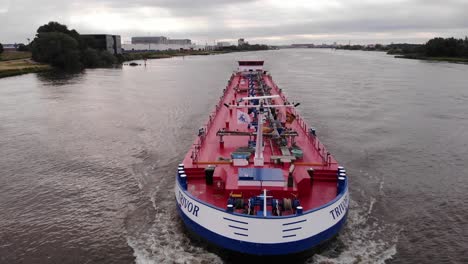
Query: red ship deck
x=312 y=192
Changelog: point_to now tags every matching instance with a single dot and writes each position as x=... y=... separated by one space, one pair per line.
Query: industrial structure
x=111 y=43
x=149 y=40
x=160 y=40
x=157 y=43
x=11 y=47
x=223 y=44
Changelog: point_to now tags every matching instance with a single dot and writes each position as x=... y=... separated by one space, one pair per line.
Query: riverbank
x=22 y=66
x=441 y=59
x=130 y=56
x=436 y=49
x=15 y=55
x=415 y=56
x=19 y=62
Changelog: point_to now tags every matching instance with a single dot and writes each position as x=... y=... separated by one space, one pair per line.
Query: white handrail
x=258 y=106
x=260 y=97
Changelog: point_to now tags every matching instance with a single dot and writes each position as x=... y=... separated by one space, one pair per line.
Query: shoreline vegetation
x=55 y=47
x=436 y=49
x=11 y=66
x=441 y=59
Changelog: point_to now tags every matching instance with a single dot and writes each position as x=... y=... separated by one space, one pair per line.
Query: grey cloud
x=223 y=19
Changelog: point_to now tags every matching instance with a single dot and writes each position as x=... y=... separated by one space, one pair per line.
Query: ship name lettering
x=188 y=205
x=340 y=209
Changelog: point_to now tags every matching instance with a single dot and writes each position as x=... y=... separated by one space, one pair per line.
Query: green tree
x=465 y=45
x=107 y=58
x=53 y=26
x=67 y=49
x=440 y=47
x=90 y=58
x=22 y=47
x=1 y=48
x=58 y=49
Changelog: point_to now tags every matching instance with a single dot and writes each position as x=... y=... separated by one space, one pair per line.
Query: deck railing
x=198 y=145
x=322 y=151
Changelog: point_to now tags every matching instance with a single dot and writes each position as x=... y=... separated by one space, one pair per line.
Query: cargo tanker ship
x=257 y=180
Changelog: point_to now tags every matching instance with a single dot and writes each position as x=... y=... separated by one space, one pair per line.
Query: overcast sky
x=264 y=21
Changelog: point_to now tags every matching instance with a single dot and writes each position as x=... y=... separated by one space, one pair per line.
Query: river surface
x=87 y=161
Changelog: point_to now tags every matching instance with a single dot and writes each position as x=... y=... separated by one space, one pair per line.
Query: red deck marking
x=211 y=152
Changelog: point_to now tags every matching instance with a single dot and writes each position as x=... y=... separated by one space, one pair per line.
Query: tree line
x=244 y=47
x=436 y=47
x=19 y=47
x=449 y=47
x=66 y=49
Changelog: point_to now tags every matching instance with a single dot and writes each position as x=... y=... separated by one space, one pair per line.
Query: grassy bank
x=443 y=59
x=14 y=55
x=22 y=66
x=165 y=54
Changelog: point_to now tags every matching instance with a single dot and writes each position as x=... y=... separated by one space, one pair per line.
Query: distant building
x=159 y=47
x=111 y=43
x=10 y=47
x=311 y=45
x=158 y=43
x=160 y=40
x=223 y=44
x=208 y=47
x=241 y=42
x=179 y=41
x=149 y=40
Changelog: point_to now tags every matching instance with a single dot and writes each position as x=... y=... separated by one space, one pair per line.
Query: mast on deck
x=258 y=159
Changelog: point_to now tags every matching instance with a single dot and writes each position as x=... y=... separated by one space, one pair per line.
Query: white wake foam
x=163 y=240
x=363 y=240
